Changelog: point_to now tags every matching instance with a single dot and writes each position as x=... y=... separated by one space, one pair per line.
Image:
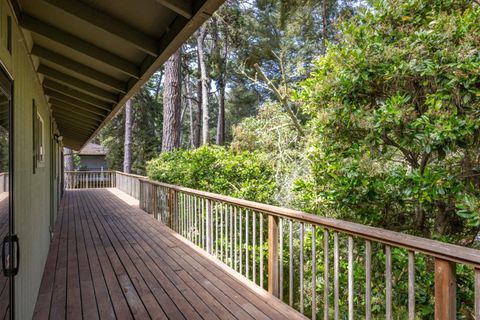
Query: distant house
x=92 y=157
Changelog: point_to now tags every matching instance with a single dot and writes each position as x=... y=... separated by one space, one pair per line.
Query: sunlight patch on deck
x=131 y=201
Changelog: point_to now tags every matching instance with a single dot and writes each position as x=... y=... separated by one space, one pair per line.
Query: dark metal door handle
x=4 y=258
x=9 y=271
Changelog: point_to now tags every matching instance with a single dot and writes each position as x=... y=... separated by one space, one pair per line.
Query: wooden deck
x=111 y=260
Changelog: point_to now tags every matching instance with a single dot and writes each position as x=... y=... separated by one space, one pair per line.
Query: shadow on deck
x=109 y=259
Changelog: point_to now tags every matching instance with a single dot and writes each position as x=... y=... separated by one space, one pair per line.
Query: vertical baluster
x=254 y=249
x=302 y=227
x=235 y=239
x=314 y=272
x=240 y=258
x=192 y=219
x=290 y=262
x=221 y=231
x=209 y=229
x=411 y=285
x=280 y=258
x=368 y=280
x=388 y=285
x=325 y=274
x=216 y=230
x=185 y=214
x=246 y=244
x=225 y=237
x=231 y=237
x=204 y=223
x=261 y=250
x=350 y=278
x=477 y=293
x=195 y=217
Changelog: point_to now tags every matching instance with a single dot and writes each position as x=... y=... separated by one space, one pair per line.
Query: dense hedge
x=245 y=175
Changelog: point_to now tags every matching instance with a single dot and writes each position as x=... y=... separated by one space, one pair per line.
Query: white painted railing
x=89 y=179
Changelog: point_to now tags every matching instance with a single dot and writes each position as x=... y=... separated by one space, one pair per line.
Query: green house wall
x=34 y=205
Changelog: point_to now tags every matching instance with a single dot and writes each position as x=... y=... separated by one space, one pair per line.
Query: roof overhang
x=93 y=55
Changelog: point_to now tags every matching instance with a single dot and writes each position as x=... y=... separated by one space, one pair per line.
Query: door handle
x=10 y=271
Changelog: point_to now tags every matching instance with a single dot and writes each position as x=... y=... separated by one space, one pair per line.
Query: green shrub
x=246 y=175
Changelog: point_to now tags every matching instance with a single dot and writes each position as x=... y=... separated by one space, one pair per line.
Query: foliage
x=243 y=175
x=272 y=133
x=395 y=109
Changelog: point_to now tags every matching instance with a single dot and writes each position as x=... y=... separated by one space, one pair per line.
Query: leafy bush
x=396 y=111
x=244 y=175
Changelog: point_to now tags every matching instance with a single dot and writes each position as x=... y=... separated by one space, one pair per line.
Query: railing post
x=445 y=290
x=209 y=229
x=154 y=201
x=172 y=208
x=273 y=280
x=141 y=198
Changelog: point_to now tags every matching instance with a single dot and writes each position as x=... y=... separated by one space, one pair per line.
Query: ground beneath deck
x=109 y=260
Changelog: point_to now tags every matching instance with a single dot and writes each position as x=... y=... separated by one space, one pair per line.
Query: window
x=38 y=139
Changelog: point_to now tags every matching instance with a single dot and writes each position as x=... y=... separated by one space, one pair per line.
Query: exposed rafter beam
x=66 y=119
x=77 y=44
x=108 y=23
x=75 y=114
x=65 y=104
x=66 y=128
x=182 y=7
x=83 y=86
x=78 y=95
x=79 y=68
x=63 y=107
x=67 y=125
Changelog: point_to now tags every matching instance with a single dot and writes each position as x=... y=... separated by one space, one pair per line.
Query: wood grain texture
x=445 y=290
x=112 y=260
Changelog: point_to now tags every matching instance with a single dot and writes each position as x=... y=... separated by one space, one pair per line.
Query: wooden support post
x=172 y=207
x=445 y=290
x=273 y=281
x=209 y=228
x=154 y=201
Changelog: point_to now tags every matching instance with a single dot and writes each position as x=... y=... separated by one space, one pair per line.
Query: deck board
x=110 y=260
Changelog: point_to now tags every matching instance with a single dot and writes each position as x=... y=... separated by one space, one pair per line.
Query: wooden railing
x=322 y=267
x=89 y=179
x=268 y=245
x=128 y=183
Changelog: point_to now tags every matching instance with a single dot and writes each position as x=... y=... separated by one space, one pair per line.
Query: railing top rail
x=430 y=247
x=130 y=175
x=92 y=171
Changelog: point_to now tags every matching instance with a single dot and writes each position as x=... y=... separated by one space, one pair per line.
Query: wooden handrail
x=430 y=247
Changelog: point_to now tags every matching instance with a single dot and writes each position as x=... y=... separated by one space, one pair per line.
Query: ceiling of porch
x=93 y=55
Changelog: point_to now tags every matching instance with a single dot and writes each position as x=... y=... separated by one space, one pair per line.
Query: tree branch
x=282 y=100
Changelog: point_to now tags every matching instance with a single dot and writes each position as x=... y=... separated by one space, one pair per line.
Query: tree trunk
x=220 y=139
x=189 y=97
x=127 y=146
x=68 y=157
x=172 y=103
x=197 y=137
x=204 y=82
x=324 y=23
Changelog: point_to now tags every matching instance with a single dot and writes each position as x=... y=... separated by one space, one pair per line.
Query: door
x=9 y=265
